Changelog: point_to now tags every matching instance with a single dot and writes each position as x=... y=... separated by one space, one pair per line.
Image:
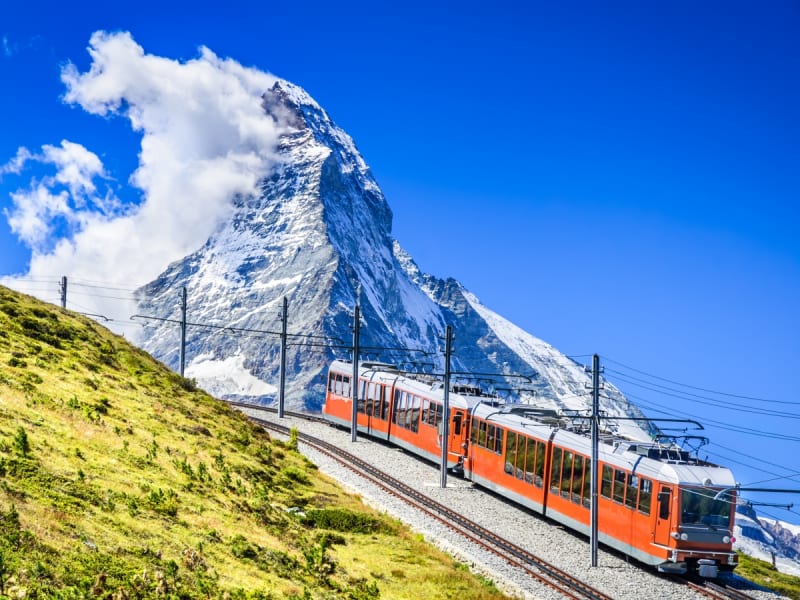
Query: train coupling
x=707 y=568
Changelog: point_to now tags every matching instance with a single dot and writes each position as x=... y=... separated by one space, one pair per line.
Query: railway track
x=545 y=573
x=716 y=591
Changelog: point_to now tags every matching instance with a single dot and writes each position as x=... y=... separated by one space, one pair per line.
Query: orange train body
x=656 y=503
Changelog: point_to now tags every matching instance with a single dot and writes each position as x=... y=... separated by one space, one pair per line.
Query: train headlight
x=674 y=535
x=726 y=539
x=684 y=536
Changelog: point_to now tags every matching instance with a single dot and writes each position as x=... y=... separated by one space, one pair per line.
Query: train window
x=362 y=388
x=399 y=415
x=524 y=467
x=632 y=493
x=457 y=423
x=530 y=462
x=437 y=410
x=619 y=485
x=577 y=478
x=664 y=498
x=555 y=470
x=644 y=496
x=566 y=473
x=473 y=433
x=511 y=452
x=587 y=483
x=385 y=397
x=605 y=487
x=345 y=385
x=498 y=440
x=490 y=433
x=540 y=452
x=331 y=382
x=426 y=410
x=413 y=413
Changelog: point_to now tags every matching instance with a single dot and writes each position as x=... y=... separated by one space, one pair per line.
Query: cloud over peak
x=205 y=139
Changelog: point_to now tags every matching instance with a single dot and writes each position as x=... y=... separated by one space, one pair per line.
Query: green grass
x=764 y=574
x=120 y=479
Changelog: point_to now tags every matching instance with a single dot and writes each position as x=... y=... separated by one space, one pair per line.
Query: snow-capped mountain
x=320 y=235
x=769 y=540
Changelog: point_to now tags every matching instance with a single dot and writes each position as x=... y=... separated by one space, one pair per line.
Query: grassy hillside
x=764 y=574
x=119 y=479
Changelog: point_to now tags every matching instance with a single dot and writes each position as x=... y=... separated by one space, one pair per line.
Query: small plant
x=292 y=443
x=21 y=443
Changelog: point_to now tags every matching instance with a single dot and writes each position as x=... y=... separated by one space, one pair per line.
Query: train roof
x=664 y=462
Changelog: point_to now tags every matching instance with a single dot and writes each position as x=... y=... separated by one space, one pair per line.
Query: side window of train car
x=632 y=493
x=540 y=452
x=345 y=385
x=645 y=493
x=362 y=396
x=415 y=402
x=566 y=473
x=619 y=485
x=664 y=499
x=385 y=396
x=605 y=486
x=496 y=445
x=577 y=478
x=523 y=471
x=490 y=436
x=532 y=457
x=587 y=482
x=555 y=470
x=399 y=411
x=511 y=452
x=331 y=382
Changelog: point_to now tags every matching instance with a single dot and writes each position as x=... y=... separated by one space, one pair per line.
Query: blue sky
x=619 y=178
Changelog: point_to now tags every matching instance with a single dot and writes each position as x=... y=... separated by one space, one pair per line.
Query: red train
x=656 y=503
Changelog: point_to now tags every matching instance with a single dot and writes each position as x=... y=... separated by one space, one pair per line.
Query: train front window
x=700 y=506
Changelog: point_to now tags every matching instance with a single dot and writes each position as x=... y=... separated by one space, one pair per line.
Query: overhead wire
x=672 y=381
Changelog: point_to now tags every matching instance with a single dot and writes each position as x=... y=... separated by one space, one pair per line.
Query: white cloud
x=16 y=164
x=55 y=201
x=205 y=140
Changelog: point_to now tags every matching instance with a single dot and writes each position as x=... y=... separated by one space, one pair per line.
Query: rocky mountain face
x=770 y=540
x=319 y=234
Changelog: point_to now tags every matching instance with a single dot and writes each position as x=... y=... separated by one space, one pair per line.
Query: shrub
x=21 y=443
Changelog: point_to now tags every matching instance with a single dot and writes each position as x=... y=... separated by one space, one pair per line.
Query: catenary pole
x=354 y=381
x=448 y=349
x=183 y=330
x=595 y=450
x=282 y=374
x=63 y=291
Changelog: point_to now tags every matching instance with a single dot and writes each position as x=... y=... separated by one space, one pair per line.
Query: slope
x=120 y=479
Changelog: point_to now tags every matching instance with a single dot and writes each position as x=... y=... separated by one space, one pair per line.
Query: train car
x=404 y=411
x=656 y=503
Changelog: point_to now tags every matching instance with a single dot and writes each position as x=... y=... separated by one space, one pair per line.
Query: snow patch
x=227 y=376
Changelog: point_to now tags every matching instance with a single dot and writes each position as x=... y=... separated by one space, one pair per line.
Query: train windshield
x=700 y=506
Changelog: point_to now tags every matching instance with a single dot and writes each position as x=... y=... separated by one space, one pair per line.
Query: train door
x=663 y=516
x=458 y=432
